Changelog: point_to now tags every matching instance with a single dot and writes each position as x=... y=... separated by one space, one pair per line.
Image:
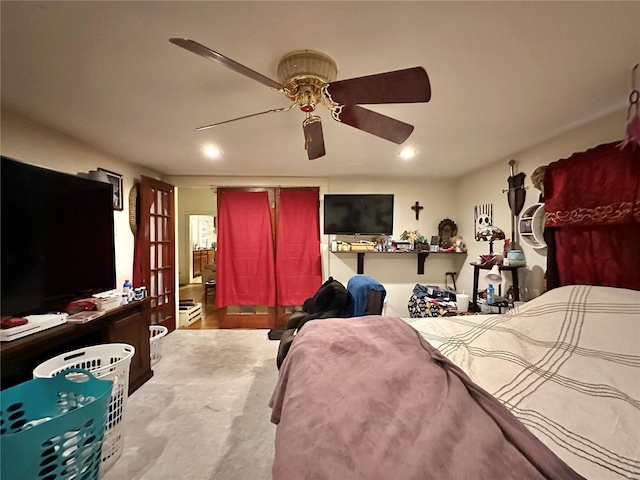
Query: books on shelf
x=359 y=247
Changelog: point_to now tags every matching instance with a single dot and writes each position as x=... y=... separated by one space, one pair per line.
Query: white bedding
x=566 y=364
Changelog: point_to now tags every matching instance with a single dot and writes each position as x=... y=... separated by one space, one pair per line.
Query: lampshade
x=489 y=234
x=494 y=275
x=307 y=63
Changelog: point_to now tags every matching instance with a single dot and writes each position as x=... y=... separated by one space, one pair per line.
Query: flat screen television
x=361 y=214
x=57 y=238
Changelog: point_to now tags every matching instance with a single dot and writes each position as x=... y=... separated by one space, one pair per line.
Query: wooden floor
x=213 y=318
x=209 y=320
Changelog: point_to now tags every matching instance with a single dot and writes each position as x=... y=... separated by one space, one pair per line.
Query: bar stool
x=209 y=287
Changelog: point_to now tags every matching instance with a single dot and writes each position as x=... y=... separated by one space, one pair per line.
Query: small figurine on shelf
x=381 y=244
x=413 y=236
x=459 y=244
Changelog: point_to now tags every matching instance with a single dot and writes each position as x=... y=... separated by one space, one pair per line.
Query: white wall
x=485 y=185
x=35 y=144
x=455 y=199
x=398 y=273
x=197 y=196
x=32 y=143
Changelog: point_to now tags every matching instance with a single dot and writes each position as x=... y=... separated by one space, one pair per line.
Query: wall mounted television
x=57 y=238
x=358 y=214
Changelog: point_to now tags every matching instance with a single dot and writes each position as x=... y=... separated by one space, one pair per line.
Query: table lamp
x=494 y=275
x=489 y=234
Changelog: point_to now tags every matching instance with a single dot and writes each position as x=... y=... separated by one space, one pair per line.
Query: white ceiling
x=504 y=76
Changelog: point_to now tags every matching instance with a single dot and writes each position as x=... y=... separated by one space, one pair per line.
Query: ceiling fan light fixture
x=307 y=63
x=307 y=79
x=407 y=153
x=211 y=152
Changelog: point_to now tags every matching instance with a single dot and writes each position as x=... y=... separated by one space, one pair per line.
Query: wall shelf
x=531 y=226
x=422 y=257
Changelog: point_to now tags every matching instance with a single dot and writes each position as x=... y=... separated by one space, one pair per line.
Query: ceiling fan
x=307 y=78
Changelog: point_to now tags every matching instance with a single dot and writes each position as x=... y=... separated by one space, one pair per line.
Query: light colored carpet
x=204 y=415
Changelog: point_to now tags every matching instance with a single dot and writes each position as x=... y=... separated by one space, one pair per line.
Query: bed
x=548 y=390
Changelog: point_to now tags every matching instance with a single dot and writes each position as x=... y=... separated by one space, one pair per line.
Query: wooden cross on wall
x=416 y=208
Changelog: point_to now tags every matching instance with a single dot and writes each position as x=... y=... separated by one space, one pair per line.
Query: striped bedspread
x=566 y=364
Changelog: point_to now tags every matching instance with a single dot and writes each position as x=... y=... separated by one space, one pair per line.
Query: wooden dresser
x=127 y=324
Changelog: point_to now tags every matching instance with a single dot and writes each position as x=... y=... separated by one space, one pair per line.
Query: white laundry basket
x=157 y=333
x=109 y=361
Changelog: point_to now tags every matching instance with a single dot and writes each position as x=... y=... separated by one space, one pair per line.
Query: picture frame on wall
x=115 y=179
x=434 y=245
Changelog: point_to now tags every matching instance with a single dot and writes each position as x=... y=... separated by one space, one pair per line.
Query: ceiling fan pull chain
x=275 y=110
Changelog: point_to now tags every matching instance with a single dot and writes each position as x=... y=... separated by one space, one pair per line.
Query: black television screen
x=57 y=238
x=364 y=214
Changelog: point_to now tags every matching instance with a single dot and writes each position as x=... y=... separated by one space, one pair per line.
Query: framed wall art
x=115 y=179
x=446 y=230
x=482 y=217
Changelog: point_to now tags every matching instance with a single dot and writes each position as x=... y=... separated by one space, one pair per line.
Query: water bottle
x=127 y=292
x=490 y=295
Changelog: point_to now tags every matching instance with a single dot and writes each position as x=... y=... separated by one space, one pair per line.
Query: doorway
x=202 y=245
x=154 y=262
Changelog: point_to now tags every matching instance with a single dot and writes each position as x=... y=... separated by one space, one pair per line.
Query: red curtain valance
x=598 y=187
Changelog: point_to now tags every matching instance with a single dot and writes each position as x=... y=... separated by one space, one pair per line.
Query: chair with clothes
x=209 y=280
x=363 y=296
x=367 y=296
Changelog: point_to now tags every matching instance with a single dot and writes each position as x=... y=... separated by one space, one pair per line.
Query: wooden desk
x=476 y=271
x=127 y=324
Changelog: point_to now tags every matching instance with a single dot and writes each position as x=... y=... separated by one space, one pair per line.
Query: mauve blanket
x=369 y=398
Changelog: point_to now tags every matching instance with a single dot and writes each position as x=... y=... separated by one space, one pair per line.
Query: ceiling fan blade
x=313 y=137
x=205 y=52
x=275 y=110
x=401 y=86
x=375 y=123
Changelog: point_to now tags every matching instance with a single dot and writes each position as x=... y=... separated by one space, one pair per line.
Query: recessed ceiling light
x=211 y=152
x=407 y=153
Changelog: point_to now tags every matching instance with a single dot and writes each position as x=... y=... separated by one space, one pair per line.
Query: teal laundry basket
x=52 y=428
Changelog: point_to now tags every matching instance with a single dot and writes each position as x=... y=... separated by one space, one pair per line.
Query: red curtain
x=603 y=255
x=245 y=250
x=298 y=263
x=592 y=203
